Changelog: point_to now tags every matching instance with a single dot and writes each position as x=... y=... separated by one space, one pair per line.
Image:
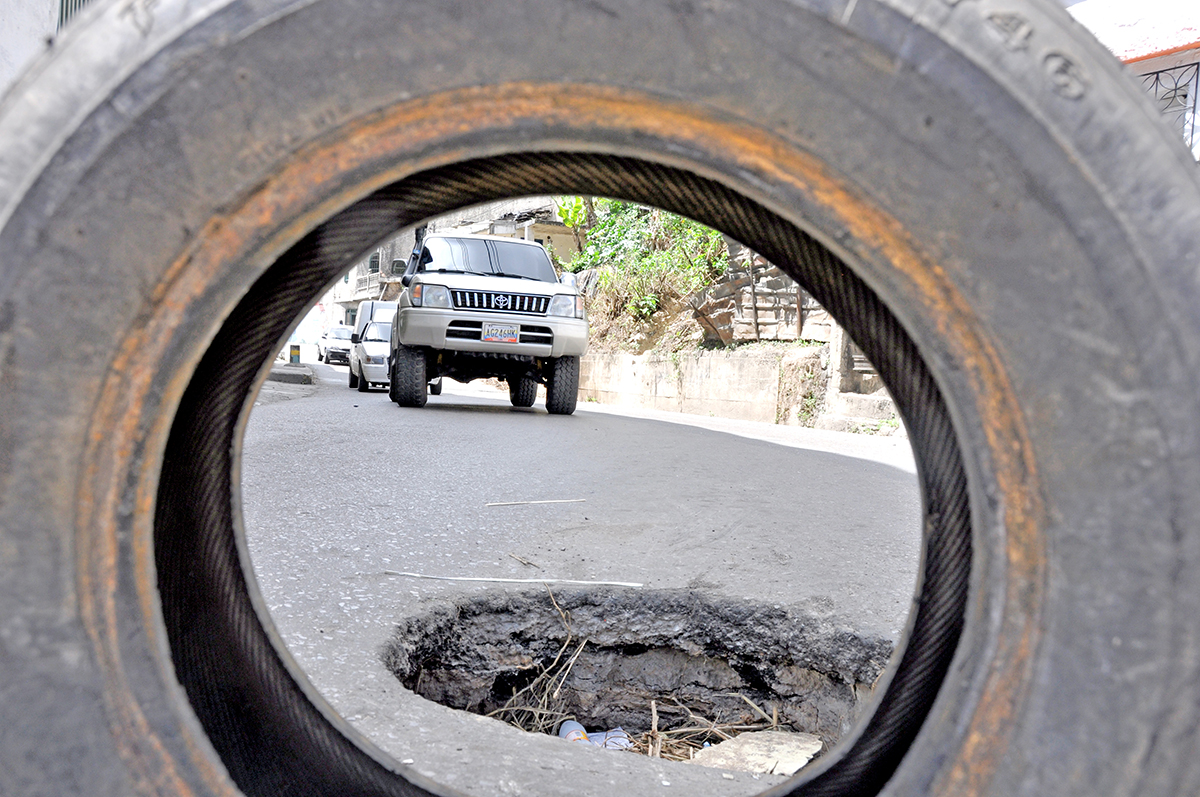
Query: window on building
x=373 y=264
x=1176 y=91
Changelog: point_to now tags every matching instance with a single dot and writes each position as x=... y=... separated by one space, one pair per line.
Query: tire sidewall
x=1051 y=239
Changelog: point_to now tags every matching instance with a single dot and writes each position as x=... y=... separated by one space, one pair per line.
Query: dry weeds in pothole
x=683 y=741
x=539 y=707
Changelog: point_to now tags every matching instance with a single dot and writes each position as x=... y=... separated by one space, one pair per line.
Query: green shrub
x=643 y=256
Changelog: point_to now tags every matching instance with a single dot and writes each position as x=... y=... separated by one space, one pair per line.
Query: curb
x=291 y=372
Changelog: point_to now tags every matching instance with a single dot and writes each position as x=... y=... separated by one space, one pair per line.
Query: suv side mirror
x=354 y=338
x=568 y=279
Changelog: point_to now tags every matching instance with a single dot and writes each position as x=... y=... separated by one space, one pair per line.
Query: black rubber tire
x=522 y=391
x=562 y=386
x=408 y=376
x=320 y=357
x=435 y=387
x=985 y=183
x=361 y=381
x=353 y=378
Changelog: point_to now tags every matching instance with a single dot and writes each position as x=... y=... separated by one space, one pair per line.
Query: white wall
x=24 y=26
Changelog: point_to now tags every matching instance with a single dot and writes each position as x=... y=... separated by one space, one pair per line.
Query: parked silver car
x=368 y=356
x=334 y=345
x=477 y=306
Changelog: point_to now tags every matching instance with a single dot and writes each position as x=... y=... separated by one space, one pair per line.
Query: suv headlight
x=430 y=296
x=566 y=304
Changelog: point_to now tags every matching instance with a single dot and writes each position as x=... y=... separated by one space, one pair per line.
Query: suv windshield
x=376 y=331
x=339 y=334
x=484 y=256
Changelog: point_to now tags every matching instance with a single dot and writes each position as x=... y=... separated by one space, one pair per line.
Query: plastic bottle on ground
x=573 y=732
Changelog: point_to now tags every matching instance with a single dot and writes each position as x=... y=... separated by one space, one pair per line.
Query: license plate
x=501 y=333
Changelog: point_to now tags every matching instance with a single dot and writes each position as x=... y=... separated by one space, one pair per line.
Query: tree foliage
x=643 y=256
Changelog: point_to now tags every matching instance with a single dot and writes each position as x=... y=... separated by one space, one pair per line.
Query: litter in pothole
x=676 y=670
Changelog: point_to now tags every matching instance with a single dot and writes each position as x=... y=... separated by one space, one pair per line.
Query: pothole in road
x=663 y=665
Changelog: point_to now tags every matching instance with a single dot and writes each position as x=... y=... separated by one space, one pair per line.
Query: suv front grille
x=473 y=330
x=500 y=302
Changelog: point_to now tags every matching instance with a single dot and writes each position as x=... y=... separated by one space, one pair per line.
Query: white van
x=373 y=310
x=368 y=356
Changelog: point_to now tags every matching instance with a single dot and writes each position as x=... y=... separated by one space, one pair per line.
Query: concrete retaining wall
x=739 y=385
x=791 y=385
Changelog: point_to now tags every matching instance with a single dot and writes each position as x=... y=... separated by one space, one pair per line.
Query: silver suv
x=478 y=306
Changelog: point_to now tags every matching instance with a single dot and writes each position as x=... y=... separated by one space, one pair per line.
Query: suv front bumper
x=457 y=330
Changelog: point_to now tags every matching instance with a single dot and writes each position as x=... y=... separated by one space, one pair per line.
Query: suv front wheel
x=562 y=385
x=409 y=386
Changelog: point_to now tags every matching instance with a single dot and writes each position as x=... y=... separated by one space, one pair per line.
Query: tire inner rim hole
x=270 y=736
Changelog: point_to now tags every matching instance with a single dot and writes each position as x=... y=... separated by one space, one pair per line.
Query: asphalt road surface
x=342 y=490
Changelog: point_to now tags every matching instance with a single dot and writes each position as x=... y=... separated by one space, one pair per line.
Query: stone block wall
x=754 y=301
